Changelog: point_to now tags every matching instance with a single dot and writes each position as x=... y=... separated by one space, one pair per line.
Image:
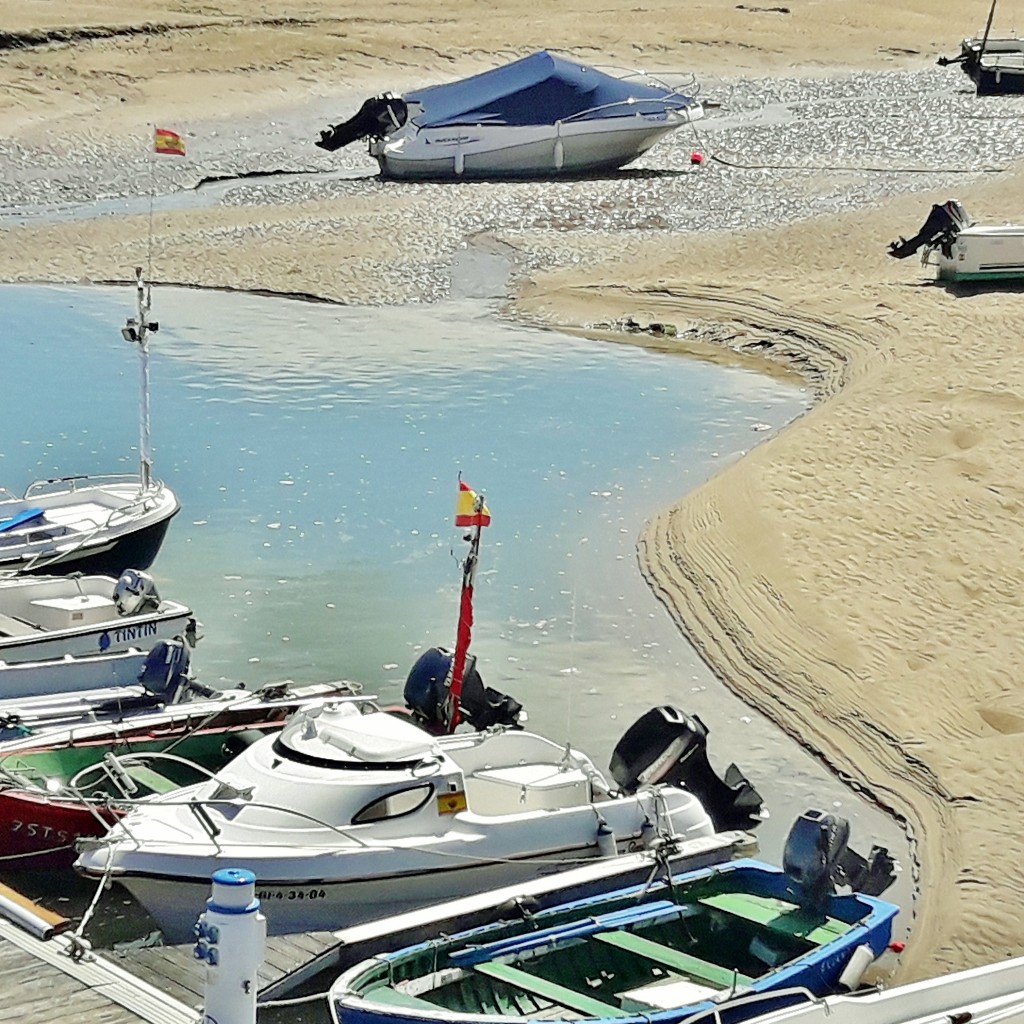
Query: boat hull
x=323 y=904
x=39 y=833
x=136 y=550
x=984 y=253
x=533 y=151
x=109 y=637
x=28 y=680
x=53 y=618
x=995 y=66
x=100 y=525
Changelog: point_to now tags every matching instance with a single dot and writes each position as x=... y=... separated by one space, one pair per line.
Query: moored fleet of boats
x=629 y=893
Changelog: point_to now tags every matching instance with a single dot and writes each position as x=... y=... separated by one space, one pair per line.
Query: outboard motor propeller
x=666 y=745
x=817 y=859
x=426 y=692
x=377 y=118
x=944 y=223
x=135 y=592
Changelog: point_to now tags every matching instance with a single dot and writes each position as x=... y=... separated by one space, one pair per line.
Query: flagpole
x=152 y=196
x=465 y=626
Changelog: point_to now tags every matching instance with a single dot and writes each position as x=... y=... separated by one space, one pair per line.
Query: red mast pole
x=473 y=512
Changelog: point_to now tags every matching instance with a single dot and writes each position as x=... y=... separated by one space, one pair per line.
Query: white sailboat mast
x=137 y=331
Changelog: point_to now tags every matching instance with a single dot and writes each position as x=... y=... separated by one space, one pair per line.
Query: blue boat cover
x=26 y=515
x=539 y=89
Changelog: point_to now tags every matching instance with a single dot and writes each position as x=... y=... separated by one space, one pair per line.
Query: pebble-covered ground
x=775 y=150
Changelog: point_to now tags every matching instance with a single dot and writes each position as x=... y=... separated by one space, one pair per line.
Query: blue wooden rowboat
x=654 y=954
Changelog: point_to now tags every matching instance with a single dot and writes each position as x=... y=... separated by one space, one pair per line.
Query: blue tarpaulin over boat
x=539 y=89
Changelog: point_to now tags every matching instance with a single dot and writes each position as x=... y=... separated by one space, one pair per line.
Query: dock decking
x=40 y=981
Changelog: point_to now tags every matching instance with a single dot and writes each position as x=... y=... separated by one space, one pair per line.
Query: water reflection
x=316 y=451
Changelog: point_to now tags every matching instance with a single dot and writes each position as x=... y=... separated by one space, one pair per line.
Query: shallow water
x=316 y=451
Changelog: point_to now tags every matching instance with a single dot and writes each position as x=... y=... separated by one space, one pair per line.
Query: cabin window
x=394 y=805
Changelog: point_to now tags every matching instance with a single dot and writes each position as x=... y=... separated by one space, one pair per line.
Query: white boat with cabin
x=352 y=812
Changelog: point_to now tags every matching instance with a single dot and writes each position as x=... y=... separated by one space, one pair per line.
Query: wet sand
x=858 y=578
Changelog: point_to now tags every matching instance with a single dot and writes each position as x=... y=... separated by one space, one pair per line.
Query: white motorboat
x=49 y=618
x=73 y=779
x=996 y=66
x=350 y=813
x=962 y=250
x=541 y=116
x=94 y=688
x=39 y=683
x=95 y=524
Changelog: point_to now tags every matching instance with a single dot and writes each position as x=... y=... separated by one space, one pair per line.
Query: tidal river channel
x=316 y=451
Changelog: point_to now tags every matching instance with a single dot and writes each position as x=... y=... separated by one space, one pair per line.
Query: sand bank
x=859 y=578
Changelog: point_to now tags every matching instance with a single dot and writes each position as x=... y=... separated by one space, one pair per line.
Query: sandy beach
x=859 y=578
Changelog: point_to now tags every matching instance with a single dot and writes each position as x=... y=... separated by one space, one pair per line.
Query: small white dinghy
x=980 y=995
x=95 y=524
x=351 y=813
x=962 y=250
x=49 y=618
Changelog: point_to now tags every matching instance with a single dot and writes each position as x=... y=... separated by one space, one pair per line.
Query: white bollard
x=231 y=938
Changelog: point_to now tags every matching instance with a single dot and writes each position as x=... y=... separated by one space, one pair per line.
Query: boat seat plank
x=779 y=916
x=587 y=1005
x=151 y=779
x=676 y=959
x=649 y=913
x=11 y=626
x=396 y=997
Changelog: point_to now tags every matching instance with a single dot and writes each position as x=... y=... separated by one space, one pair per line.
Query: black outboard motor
x=944 y=223
x=165 y=672
x=666 y=745
x=817 y=859
x=378 y=117
x=480 y=706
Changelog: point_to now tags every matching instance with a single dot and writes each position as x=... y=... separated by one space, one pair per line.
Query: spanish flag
x=166 y=141
x=469 y=509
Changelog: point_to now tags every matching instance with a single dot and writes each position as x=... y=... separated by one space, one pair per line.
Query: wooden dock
x=42 y=981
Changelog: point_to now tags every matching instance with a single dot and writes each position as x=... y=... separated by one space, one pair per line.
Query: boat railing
x=659 y=79
x=92 y=535
x=632 y=101
x=73 y=484
x=117 y=770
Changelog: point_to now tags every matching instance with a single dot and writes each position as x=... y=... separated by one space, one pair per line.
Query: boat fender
x=853 y=972
x=606 y=844
x=559 y=153
x=36 y=920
